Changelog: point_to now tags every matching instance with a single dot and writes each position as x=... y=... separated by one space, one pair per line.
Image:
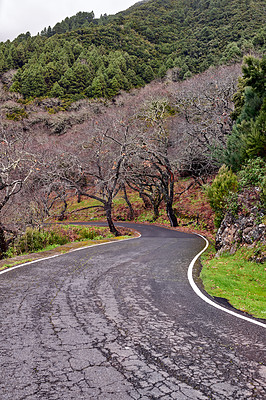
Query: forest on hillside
x=84 y=57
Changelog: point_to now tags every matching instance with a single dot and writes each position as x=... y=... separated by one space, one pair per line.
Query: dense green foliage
x=248 y=138
x=253 y=174
x=236 y=193
x=87 y=57
x=223 y=185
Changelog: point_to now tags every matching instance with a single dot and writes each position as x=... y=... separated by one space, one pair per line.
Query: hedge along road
x=120 y=321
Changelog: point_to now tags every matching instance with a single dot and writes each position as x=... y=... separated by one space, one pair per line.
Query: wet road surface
x=121 y=322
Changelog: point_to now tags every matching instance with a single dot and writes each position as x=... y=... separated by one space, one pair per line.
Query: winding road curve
x=121 y=322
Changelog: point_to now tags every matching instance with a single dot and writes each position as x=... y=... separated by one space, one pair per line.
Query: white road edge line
x=206 y=299
x=63 y=254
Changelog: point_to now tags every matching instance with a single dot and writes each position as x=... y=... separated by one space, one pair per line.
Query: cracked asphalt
x=121 y=322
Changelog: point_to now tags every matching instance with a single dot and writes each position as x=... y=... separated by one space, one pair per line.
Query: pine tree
x=56 y=91
x=113 y=87
x=255 y=140
x=30 y=82
x=33 y=82
x=49 y=32
x=98 y=86
x=148 y=74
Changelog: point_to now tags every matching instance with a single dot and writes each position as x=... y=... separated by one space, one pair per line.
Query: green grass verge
x=13 y=264
x=234 y=277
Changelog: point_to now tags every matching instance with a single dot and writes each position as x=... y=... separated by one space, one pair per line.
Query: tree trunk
x=171 y=215
x=3 y=243
x=169 y=200
x=79 y=196
x=108 y=212
x=156 y=201
x=145 y=200
x=155 y=211
x=131 y=210
x=62 y=215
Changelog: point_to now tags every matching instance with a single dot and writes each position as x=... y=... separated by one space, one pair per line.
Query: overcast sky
x=21 y=16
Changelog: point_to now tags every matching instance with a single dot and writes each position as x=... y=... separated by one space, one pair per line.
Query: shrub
x=35 y=240
x=17 y=114
x=252 y=173
x=86 y=233
x=223 y=185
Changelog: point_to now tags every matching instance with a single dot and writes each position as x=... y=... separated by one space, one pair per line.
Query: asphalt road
x=120 y=321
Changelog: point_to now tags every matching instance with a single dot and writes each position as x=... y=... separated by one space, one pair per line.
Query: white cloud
x=21 y=16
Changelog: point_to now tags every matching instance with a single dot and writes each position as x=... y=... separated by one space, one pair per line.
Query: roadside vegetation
x=53 y=235
x=238 y=278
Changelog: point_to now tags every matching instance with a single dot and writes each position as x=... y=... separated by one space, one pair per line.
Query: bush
x=86 y=233
x=252 y=173
x=223 y=185
x=16 y=114
x=35 y=240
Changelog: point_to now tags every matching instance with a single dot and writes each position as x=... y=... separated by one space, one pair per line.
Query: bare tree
x=101 y=162
x=47 y=192
x=147 y=186
x=203 y=123
x=151 y=171
x=16 y=167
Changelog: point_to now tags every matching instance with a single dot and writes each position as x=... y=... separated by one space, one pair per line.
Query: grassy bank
x=238 y=279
